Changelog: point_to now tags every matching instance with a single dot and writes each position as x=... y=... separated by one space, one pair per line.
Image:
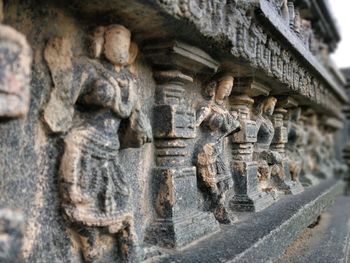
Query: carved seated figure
x=95 y=188
x=217 y=123
x=262 y=154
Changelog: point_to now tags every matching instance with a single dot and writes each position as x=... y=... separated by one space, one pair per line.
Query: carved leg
x=88 y=237
x=127 y=245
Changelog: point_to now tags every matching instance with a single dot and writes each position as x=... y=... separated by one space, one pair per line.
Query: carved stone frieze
x=260 y=48
x=165 y=138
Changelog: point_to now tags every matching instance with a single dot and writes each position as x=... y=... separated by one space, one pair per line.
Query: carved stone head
x=295 y=115
x=114 y=42
x=15 y=68
x=220 y=88
x=267 y=106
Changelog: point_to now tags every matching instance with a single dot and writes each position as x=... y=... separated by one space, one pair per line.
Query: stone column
x=282 y=179
x=178 y=220
x=247 y=195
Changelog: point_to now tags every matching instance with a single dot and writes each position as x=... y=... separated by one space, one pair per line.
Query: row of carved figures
x=302 y=28
x=96 y=191
x=96 y=104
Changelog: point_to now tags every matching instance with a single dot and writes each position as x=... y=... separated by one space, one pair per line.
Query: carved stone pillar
x=178 y=220
x=247 y=195
x=282 y=176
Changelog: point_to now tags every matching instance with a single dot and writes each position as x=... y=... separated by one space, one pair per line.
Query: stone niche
x=130 y=131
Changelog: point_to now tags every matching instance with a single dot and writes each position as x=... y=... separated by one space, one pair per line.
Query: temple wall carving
x=128 y=144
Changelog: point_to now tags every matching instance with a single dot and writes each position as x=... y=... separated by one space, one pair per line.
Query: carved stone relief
x=15 y=77
x=281 y=173
x=15 y=65
x=175 y=176
x=102 y=94
x=219 y=123
x=295 y=144
x=248 y=41
x=312 y=142
x=263 y=155
x=235 y=149
x=248 y=195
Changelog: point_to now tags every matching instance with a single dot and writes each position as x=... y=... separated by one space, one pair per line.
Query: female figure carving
x=218 y=123
x=295 y=145
x=95 y=188
x=265 y=157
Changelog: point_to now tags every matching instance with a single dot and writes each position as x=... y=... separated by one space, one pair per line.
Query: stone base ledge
x=263 y=235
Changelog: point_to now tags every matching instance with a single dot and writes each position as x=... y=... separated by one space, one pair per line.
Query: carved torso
x=96 y=186
x=265 y=133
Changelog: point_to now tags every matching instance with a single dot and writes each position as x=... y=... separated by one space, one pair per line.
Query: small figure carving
x=94 y=185
x=329 y=165
x=306 y=32
x=211 y=167
x=295 y=144
x=15 y=67
x=312 y=142
x=266 y=158
x=284 y=10
x=297 y=22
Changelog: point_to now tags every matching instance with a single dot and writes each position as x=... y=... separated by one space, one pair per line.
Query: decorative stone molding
x=254 y=43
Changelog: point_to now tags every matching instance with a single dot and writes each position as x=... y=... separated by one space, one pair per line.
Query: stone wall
x=130 y=130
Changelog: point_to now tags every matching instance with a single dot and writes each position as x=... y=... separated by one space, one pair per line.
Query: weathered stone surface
x=327 y=241
x=152 y=125
x=263 y=236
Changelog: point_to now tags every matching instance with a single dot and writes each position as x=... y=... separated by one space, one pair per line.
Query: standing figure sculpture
x=95 y=188
x=313 y=152
x=217 y=123
x=295 y=145
x=266 y=158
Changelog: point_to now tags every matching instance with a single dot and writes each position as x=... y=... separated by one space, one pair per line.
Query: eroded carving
x=102 y=98
x=174 y=181
x=247 y=39
x=219 y=123
x=11 y=234
x=266 y=158
x=294 y=147
x=15 y=65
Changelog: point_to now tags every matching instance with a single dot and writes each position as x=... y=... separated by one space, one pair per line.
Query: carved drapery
x=95 y=188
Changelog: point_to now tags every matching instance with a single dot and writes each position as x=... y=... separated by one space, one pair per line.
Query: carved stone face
x=269 y=106
x=224 y=89
x=15 y=68
x=117 y=45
